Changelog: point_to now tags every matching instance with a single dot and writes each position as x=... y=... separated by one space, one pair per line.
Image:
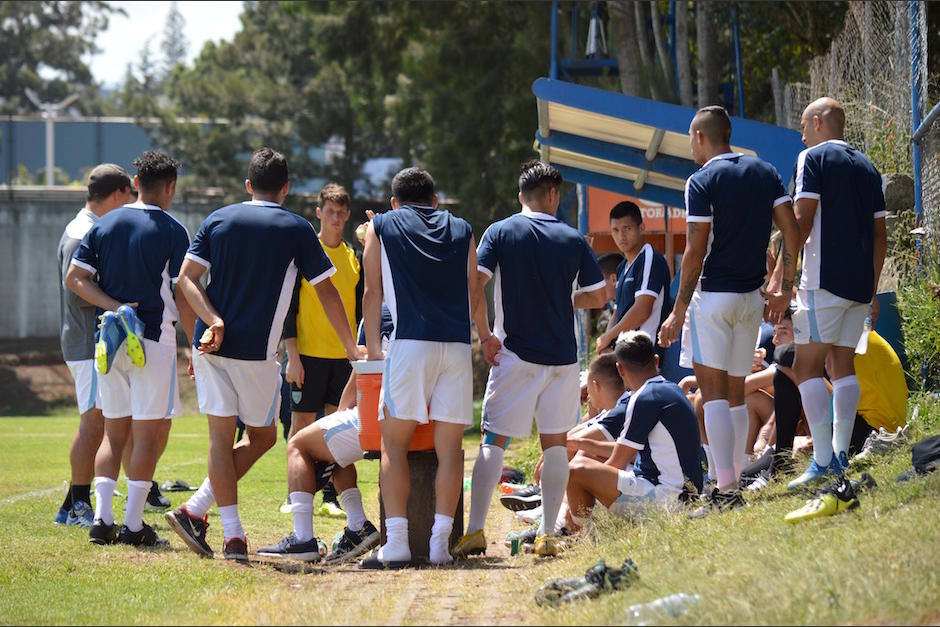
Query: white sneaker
x=530 y=515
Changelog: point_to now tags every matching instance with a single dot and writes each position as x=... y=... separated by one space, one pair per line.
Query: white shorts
x=148 y=393
x=637 y=494
x=720 y=331
x=245 y=388
x=424 y=379
x=518 y=391
x=86 y=384
x=341 y=432
x=824 y=318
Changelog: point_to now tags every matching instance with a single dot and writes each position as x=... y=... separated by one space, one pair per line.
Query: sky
x=126 y=36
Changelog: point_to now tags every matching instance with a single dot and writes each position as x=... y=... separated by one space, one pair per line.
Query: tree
x=623 y=25
x=683 y=61
x=38 y=37
x=706 y=41
x=175 y=44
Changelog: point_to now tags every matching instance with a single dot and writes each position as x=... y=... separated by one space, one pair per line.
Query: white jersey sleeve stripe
x=84 y=266
x=199 y=260
x=590 y=288
x=781 y=200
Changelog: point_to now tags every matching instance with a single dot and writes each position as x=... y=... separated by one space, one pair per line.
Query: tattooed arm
x=780 y=290
x=696 y=242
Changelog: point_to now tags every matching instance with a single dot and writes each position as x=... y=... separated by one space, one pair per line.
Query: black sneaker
x=595 y=581
x=291 y=547
x=156 y=502
x=354 y=543
x=191 y=529
x=528 y=497
x=719 y=501
x=102 y=533
x=146 y=537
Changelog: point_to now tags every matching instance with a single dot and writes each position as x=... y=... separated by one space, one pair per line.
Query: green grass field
x=877 y=564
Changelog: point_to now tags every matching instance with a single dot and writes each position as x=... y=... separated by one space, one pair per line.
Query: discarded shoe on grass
x=595 y=581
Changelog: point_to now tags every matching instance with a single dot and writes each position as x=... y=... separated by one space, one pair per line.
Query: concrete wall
x=31 y=222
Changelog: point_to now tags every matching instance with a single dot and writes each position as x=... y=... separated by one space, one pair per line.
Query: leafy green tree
x=174 y=44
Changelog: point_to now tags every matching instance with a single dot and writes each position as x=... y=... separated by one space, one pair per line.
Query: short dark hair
x=413 y=185
x=627 y=209
x=267 y=171
x=715 y=124
x=155 y=167
x=535 y=178
x=634 y=350
x=604 y=369
x=105 y=179
x=334 y=193
x=609 y=262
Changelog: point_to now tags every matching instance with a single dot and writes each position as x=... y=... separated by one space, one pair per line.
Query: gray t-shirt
x=78 y=316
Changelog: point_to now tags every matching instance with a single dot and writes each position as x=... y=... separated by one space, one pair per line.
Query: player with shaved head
x=840 y=208
x=730 y=203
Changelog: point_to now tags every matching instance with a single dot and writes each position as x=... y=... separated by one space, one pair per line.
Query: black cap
x=105 y=179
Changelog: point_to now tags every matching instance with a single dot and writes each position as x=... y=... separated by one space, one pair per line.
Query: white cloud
x=126 y=36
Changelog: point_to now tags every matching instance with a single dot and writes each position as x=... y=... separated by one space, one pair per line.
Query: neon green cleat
x=134 y=329
x=834 y=499
x=110 y=336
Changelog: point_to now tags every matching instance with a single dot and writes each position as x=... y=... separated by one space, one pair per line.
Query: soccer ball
x=321 y=546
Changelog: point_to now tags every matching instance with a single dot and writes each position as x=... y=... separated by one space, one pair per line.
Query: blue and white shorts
x=148 y=393
x=86 y=384
x=824 y=318
x=721 y=329
x=249 y=389
x=341 y=432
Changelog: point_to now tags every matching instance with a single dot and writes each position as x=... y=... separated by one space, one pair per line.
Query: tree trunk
x=683 y=60
x=663 y=52
x=706 y=40
x=623 y=28
x=642 y=44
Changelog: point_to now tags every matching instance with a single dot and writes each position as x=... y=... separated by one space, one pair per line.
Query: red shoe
x=236 y=549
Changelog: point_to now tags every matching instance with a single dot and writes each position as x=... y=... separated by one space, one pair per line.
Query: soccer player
x=841 y=212
x=109 y=187
x=317 y=367
x=253 y=251
x=544 y=269
x=136 y=251
x=730 y=204
x=422 y=262
x=642 y=278
x=660 y=429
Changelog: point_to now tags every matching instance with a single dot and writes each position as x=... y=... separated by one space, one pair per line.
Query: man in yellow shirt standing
x=317 y=367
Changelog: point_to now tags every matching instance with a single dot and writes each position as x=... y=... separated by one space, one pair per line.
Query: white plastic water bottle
x=672 y=606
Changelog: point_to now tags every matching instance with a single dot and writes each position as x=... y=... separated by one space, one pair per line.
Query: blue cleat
x=109 y=338
x=134 y=330
x=816 y=473
x=82 y=515
x=843 y=461
x=61 y=516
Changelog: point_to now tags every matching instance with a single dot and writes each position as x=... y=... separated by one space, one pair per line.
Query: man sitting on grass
x=659 y=428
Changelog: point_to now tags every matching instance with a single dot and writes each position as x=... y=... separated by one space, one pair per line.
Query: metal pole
x=50 y=147
x=915 y=107
x=553 y=70
x=737 y=59
x=584 y=315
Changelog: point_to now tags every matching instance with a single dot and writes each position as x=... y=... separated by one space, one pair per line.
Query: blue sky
x=126 y=36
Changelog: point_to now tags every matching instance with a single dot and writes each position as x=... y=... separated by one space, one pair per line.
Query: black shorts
x=324 y=381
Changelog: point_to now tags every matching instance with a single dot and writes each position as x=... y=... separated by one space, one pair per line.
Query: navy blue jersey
x=736 y=193
x=648 y=275
x=253 y=252
x=538 y=264
x=386 y=326
x=839 y=252
x=137 y=251
x=611 y=422
x=425 y=252
x=661 y=425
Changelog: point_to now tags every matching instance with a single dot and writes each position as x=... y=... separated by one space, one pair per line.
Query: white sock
x=845 y=396
x=396 y=547
x=562 y=519
x=578 y=522
x=104 y=498
x=134 y=510
x=487 y=470
x=741 y=422
x=720 y=431
x=201 y=500
x=816 y=397
x=301 y=506
x=440 y=536
x=231 y=523
x=712 y=472
x=554 y=484
x=350 y=500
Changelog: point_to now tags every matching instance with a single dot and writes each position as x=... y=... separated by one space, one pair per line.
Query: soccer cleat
x=292 y=548
x=102 y=533
x=719 y=501
x=352 y=544
x=761 y=482
x=549 y=546
x=61 y=516
x=509 y=488
x=82 y=515
x=816 y=473
x=843 y=460
x=596 y=580
x=146 y=537
x=470 y=544
x=156 y=502
x=110 y=335
x=528 y=497
x=881 y=442
x=134 y=330
x=191 y=529
x=332 y=510
x=525 y=537
x=237 y=549
x=833 y=499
